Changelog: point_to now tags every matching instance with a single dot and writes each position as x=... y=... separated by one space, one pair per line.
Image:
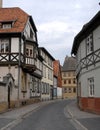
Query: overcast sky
x=57 y=21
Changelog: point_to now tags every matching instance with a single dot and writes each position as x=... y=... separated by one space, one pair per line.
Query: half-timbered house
x=19 y=52
x=86 y=48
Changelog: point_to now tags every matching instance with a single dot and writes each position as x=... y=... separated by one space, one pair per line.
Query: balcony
x=27 y=63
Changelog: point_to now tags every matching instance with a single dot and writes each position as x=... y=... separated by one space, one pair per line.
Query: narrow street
x=50 y=115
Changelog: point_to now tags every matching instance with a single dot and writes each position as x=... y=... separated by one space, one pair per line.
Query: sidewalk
x=75 y=112
x=82 y=120
x=13 y=117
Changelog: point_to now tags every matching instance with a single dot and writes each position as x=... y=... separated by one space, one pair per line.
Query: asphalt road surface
x=48 y=117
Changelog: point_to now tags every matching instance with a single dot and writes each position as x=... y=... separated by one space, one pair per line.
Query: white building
x=86 y=48
x=47 y=79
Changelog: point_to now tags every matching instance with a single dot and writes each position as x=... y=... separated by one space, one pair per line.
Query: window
x=89 y=43
x=65 y=90
x=31 y=34
x=91 y=86
x=69 y=81
x=6 y=25
x=64 y=81
x=50 y=74
x=4 y=45
x=50 y=62
x=29 y=51
x=70 y=90
x=74 y=90
x=64 y=74
x=44 y=71
x=74 y=81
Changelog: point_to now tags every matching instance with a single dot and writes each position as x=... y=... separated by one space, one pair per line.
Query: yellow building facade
x=69 y=83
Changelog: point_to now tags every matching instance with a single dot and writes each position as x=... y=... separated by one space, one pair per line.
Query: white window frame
x=4 y=43
x=91 y=86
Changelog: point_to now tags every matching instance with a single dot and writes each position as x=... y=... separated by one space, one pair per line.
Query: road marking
x=74 y=120
x=11 y=124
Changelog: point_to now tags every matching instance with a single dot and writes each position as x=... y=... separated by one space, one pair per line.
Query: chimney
x=0 y=3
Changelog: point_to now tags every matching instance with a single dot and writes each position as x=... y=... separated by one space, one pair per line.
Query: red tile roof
x=17 y=15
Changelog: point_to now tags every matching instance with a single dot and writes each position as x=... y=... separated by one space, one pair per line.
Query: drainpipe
x=19 y=64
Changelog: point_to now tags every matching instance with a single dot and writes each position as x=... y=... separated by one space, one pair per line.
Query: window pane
x=89 y=43
x=6 y=47
x=31 y=52
x=27 y=52
x=2 y=47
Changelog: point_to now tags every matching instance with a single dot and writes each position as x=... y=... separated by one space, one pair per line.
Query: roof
x=17 y=16
x=43 y=49
x=87 y=28
x=69 y=64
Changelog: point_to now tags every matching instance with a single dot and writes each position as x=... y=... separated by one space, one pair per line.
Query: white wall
x=15 y=45
x=83 y=49
x=96 y=38
x=84 y=82
x=3 y=94
x=59 y=92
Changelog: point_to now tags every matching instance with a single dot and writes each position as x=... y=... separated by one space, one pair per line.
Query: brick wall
x=90 y=104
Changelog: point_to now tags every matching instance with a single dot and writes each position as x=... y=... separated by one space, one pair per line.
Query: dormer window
x=6 y=25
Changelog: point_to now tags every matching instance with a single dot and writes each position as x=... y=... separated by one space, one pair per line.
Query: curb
x=75 y=122
x=23 y=116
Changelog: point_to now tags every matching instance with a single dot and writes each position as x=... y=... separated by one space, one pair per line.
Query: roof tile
x=16 y=15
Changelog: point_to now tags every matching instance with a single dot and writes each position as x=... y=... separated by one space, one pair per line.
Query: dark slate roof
x=86 y=30
x=69 y=64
